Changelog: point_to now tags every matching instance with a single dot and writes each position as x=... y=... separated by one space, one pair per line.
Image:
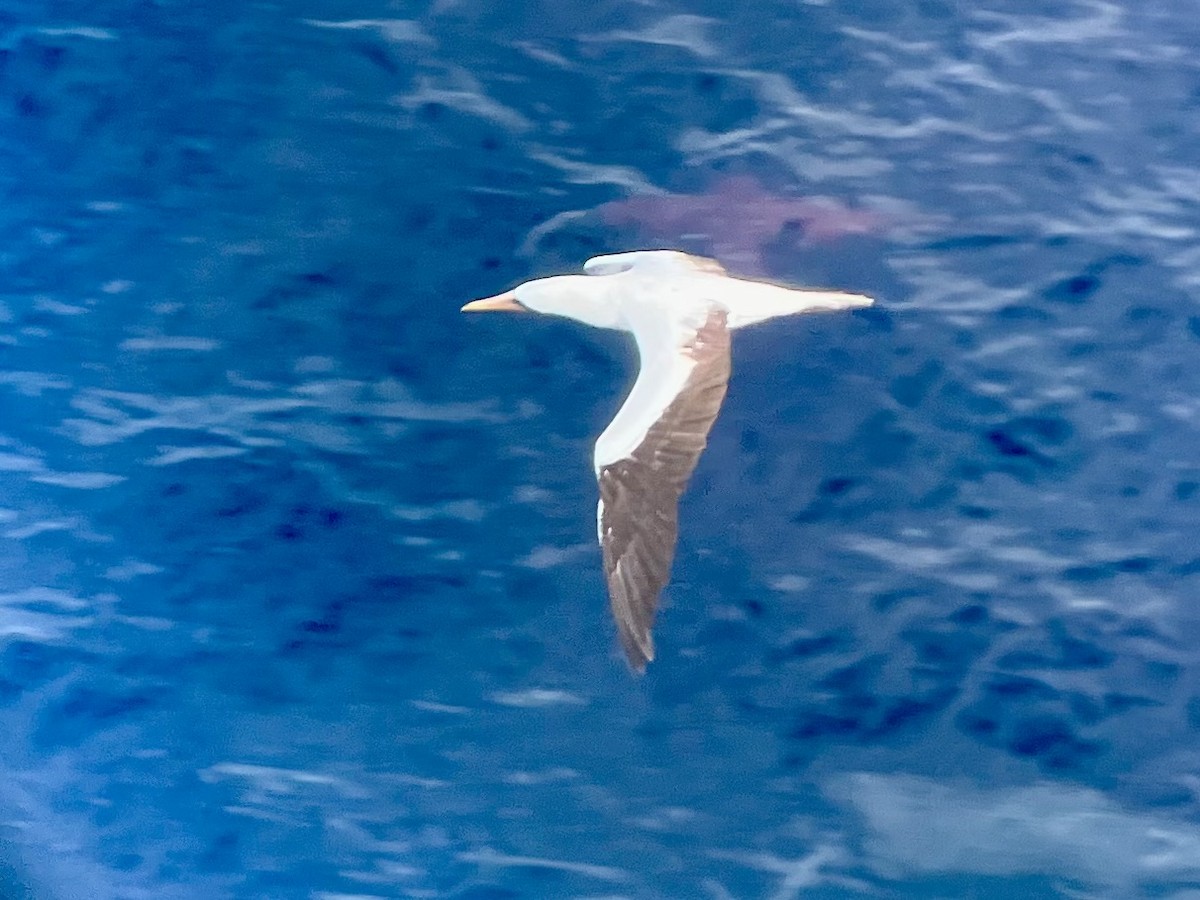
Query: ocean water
x=298 y=590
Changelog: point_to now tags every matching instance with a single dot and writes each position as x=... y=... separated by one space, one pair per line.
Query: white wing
x=747 y=301
x=645 y=458
x=751 y=302
x=664 y=261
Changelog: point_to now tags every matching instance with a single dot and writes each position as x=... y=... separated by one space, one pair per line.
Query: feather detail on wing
x=652 y=260
x=677 y=401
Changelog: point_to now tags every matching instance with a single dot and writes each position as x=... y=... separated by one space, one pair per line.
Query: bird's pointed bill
x=506 y=302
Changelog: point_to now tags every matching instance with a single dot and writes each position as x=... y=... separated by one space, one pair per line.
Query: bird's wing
x=645 y=458
x=667 y=261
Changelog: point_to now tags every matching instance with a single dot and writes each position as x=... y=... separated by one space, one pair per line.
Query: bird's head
x=584 y=298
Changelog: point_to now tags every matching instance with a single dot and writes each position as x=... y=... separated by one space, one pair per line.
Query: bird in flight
x=680 y=310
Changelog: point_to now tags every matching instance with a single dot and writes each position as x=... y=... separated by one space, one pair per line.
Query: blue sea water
x=298 y=590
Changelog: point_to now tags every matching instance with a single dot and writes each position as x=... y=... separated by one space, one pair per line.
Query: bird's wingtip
x=637 y=655
x=841 y=300
x=638 y=666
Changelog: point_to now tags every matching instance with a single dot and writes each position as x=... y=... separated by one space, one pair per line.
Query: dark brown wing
x=639 y=494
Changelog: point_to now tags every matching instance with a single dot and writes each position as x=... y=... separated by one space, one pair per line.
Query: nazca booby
x=680 y=310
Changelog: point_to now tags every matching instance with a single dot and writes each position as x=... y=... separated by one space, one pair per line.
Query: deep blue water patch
x=299 y=595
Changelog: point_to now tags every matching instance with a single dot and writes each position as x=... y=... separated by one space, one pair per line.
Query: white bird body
x=680 y=310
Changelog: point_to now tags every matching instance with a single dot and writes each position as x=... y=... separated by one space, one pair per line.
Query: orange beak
x=506 y=302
